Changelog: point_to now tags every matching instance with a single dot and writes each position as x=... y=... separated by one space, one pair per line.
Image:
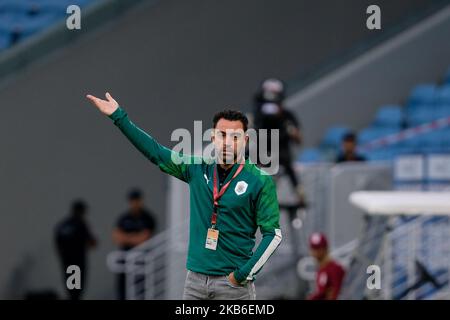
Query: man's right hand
x=105 y=106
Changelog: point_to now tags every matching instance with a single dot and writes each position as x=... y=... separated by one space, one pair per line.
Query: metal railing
x=413 y=254
x=145 y=265
x=411 y=267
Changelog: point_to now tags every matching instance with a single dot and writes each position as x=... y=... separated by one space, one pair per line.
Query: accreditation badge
x=211 y=239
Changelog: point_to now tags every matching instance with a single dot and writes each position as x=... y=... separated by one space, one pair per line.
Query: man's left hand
x=233 y=279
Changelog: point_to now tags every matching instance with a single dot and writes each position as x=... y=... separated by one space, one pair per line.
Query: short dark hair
x=349 y=137
x=79 y=207
x=231 y=115
x=134 y=194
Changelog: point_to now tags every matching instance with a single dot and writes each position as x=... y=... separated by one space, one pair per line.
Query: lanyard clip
x=214 y=219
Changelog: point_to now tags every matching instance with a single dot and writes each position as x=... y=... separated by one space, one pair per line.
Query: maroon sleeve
x=321 y=286
x=336 y=276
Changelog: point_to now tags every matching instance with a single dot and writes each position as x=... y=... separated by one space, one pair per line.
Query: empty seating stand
x=20 y=19
x=426 y=103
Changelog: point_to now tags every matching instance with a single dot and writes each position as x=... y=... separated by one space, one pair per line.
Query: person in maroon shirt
x=330 y=274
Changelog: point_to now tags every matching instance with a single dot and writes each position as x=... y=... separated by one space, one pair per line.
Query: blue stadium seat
x=411 y=144
x=447 y=77
x=443 y=95
x=20 y=19
x=8 y=21
x=421 y=116
x=38 y=23
x=310 y=155
x=381 y=154
x=372 y=133
x=445 y=139
x=333 y=136
x=389 y=116
x=441 y=140
x=414 y=107
x=427 y=103
x=405 y=150
x=429 y=142
x=14 y=6
x=423 y=94
x=20 y=26
x=442 y=111
x=57 y=6
x=39 y=6
x=5 y=40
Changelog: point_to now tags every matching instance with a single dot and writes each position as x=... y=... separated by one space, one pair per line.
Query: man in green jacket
x=229 y=199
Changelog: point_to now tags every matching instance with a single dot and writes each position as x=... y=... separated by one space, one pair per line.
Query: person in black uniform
x=73 y=238
x=270 y=113
x=133 y=227
x=348 y=149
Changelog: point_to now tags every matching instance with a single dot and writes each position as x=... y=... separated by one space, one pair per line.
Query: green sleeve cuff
x=117 y=114
x=239 y=276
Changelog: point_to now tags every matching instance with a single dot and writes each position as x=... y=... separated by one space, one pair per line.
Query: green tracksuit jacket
x=249 y=202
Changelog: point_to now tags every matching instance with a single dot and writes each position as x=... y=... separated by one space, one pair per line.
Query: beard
x=229 y=158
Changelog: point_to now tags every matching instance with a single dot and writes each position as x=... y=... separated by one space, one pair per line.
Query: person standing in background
x=349 y=149
x=73 y=239
x=330 y=275
x=270 y=114
x=134 y=227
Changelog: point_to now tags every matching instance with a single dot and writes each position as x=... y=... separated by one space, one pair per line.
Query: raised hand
x=105 y=106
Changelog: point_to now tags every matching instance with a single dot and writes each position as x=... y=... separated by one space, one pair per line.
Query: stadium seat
x=447 y=77
x=333 y=136
x=57 y=6
x=421 y=116
x=8 y=21
x=14 y=6
x=20 y=19
x=442 y=111
x=381 y=154
x=423 y=94
x=415 y=107
x=5 y=40
x=20 y=26
x=389 y=116
x=442 y=139
x=445 y=139
x=372 y=133
x=36 y=24
x=39 y=6
x=443 y=95
x=410 y=143
x=429 y=142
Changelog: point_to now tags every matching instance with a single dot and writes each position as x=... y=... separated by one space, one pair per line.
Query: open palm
x=105 y=106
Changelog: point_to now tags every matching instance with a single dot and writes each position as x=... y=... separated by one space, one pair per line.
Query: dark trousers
x=121 y=284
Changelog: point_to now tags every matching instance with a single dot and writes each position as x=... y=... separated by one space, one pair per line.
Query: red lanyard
x=217 y=194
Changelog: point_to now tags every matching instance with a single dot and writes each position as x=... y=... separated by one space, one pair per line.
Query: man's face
x=136 y=205
x=318 y=254
x=349 y=146
x=229 y=140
